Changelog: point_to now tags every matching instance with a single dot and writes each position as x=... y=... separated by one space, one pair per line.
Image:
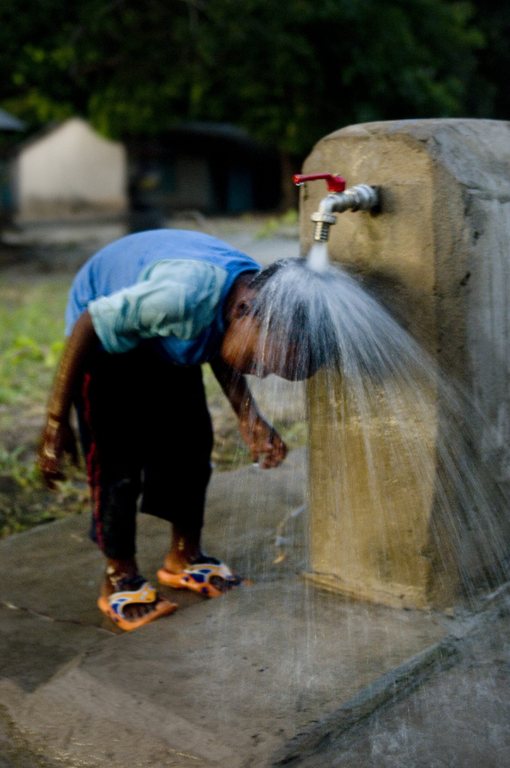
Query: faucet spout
x=323 y=218
x=361 y=197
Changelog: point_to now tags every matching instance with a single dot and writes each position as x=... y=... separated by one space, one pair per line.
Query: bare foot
x=184 y=551
x=176 y=561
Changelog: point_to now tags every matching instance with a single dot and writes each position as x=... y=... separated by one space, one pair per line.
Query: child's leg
x=177 y=453
x=109 y=417
x=177 y=469
x=108 y=428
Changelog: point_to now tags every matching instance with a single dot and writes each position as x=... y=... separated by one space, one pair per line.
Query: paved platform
x=271 y=674
x=275 y=674
x=452 y=712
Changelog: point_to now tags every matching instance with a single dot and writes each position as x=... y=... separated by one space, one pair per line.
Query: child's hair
x=262 y=277
x=291 y=308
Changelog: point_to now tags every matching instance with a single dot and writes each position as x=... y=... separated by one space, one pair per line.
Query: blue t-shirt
x=167 y=285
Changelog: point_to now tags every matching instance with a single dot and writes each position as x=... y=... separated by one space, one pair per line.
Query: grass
x=31 y=318
x=274 y=224
x=32 y=337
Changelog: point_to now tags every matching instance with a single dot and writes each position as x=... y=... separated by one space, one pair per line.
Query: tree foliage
x=287 y=72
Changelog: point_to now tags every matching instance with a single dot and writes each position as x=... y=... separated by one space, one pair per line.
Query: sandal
x=138 y=591
x=207 y=576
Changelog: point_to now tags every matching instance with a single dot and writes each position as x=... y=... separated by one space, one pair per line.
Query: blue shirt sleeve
x=172 y=298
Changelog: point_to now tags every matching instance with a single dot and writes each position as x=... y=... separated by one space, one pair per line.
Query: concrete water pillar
x=438 y=255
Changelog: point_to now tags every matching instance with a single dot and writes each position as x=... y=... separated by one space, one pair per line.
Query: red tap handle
x=335 y=183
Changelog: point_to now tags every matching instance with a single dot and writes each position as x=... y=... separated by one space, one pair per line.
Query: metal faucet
x=362 y=197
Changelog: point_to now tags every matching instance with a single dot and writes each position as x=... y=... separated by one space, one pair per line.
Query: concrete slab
x=458 y=717
x=224 y=682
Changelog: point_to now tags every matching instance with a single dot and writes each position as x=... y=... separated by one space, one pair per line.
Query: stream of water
x=393 y=418
x=394 y=449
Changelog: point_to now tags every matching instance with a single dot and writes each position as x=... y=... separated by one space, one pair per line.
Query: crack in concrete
x=46 y=617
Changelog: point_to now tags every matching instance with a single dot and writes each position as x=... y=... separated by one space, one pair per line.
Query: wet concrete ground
x=276 y=673
x=458 y=717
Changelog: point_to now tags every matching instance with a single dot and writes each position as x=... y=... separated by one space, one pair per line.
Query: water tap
x=362 y=197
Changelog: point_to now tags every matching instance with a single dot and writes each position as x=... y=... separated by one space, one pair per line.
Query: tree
x=287 y=72
x=489 y=95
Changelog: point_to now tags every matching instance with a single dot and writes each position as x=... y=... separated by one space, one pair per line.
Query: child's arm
x=57 y=436
x=260 y=437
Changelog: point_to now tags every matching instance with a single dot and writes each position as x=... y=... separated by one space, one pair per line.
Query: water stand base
x=437 y=256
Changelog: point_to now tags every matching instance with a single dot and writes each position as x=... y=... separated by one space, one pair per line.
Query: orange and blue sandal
x=137 y=591
x=207 y=576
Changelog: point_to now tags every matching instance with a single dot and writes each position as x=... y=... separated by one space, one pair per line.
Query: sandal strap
x=210 y=569
x=144 y=595
x=130 y=583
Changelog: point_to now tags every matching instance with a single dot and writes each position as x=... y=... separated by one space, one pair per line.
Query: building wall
x=71 y=169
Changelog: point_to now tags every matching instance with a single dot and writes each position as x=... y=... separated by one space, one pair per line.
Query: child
x=143 y=314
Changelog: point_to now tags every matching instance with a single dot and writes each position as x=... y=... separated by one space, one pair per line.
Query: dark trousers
x=147 y=438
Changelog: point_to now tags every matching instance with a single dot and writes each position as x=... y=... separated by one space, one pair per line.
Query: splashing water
x=388 y=417
x=376 y=425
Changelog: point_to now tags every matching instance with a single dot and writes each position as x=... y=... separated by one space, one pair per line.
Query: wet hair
x=290 y=307
x=261 y=278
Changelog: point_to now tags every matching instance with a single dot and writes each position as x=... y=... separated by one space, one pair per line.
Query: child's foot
x=129 y=600
x=203 y=574
x=176 y=561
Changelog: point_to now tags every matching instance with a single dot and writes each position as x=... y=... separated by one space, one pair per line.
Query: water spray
x=362 y=197
x=281 y=538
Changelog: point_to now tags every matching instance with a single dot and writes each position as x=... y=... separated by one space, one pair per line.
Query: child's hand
x=263 y=441
x=57 y=440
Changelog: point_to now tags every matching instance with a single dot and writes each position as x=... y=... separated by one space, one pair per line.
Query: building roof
x=9 y=122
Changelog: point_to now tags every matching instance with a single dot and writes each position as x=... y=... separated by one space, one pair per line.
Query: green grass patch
x=31 y=318
x=276 y=224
